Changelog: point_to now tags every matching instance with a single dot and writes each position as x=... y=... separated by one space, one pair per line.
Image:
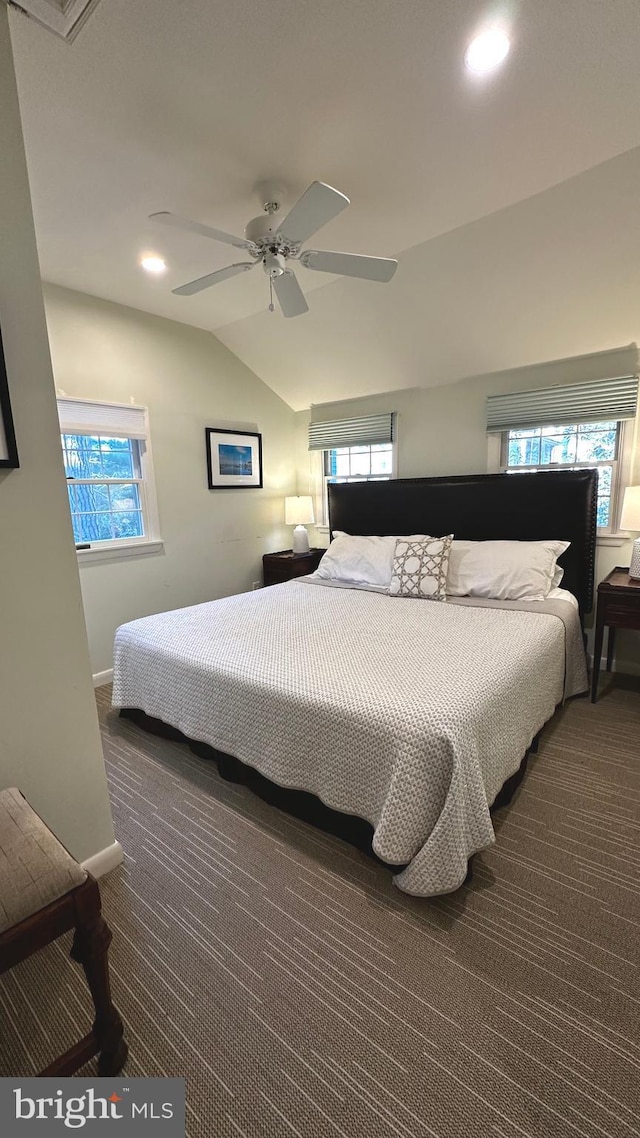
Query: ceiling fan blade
x=318 y=205
x=349 y=264
x=213 y=278
x=176 y=222
x=290 y=295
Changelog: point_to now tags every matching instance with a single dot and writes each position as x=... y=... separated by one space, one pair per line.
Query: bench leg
x=90 y=949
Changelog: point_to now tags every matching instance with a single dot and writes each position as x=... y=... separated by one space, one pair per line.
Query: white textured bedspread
x=408 y=713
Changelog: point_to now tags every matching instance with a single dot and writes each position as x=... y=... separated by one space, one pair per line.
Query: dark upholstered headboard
x=516 y=507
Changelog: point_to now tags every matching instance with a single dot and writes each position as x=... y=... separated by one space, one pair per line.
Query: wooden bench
x=44 y=893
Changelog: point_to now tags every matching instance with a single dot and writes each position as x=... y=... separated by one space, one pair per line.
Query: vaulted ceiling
x=510 y=199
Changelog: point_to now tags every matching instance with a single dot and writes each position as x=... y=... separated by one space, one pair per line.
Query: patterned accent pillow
x=420 y=568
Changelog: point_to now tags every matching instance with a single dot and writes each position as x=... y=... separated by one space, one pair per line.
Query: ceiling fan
x=272 y=242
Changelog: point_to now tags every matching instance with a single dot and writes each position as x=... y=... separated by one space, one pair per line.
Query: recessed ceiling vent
x=64 y=17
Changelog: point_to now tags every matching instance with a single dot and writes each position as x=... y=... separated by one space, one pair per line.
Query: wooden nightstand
x=618 y=607
x=284 y=566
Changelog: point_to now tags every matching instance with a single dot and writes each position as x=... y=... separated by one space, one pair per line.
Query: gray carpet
x=302 y=994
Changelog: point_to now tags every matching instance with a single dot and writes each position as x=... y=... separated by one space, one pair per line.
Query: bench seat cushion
x=35 y=869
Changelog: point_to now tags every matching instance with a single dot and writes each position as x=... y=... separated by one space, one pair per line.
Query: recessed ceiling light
x=487 y=51
x=153 y=264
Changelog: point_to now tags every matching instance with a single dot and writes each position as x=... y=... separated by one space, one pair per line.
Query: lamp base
x=634 y=568
x=300 y=540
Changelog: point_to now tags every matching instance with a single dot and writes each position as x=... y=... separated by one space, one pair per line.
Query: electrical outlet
x=256 y=584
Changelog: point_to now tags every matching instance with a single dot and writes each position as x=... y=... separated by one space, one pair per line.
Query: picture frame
x=8 y=447
x=234 y=459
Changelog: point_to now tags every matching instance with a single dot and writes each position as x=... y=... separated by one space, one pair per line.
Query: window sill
x=119 y=552
x=616 y=539
x=323 y=529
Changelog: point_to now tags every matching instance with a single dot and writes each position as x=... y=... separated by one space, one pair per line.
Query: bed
x=396 y=723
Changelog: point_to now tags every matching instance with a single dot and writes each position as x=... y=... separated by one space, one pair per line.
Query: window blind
x=117 y=420
x=365 y=431
x=597 y=401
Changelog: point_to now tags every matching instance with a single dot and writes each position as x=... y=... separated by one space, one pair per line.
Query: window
x=373 y=463
x=104 y=476
x=360 y=463
x=354 y=450
x=592 y=414
x=107 y=464
x=571 y=447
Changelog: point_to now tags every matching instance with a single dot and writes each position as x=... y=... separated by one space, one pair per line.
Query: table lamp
x=298 y=512
x=630 y=519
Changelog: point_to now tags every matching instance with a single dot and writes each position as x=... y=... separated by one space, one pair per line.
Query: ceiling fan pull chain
x=271 y=305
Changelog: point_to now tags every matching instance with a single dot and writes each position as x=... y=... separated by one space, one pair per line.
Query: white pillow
x=504 y=570
x=359 y=560
x=557 y=576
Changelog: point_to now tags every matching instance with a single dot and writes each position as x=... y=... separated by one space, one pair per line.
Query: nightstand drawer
x=287 y=572
x=621 y=616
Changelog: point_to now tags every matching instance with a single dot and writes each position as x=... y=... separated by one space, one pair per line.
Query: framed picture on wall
x=8 y=448
x=234 y=458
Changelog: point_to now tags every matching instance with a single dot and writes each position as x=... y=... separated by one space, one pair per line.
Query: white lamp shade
x=630 y=518
x=298 y=511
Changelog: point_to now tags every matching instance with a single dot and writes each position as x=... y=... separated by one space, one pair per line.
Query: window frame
x=619 y=470
x=326 y=478
x=115 y=548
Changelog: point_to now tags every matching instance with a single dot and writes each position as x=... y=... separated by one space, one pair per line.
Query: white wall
x=49 y=738
x=213 y=539
x=441 y=430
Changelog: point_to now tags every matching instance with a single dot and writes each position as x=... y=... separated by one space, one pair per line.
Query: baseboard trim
x=101 y=678
x=104 y=861
x=625 y=667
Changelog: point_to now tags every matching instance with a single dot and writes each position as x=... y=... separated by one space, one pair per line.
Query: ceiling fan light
x=274 y=264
